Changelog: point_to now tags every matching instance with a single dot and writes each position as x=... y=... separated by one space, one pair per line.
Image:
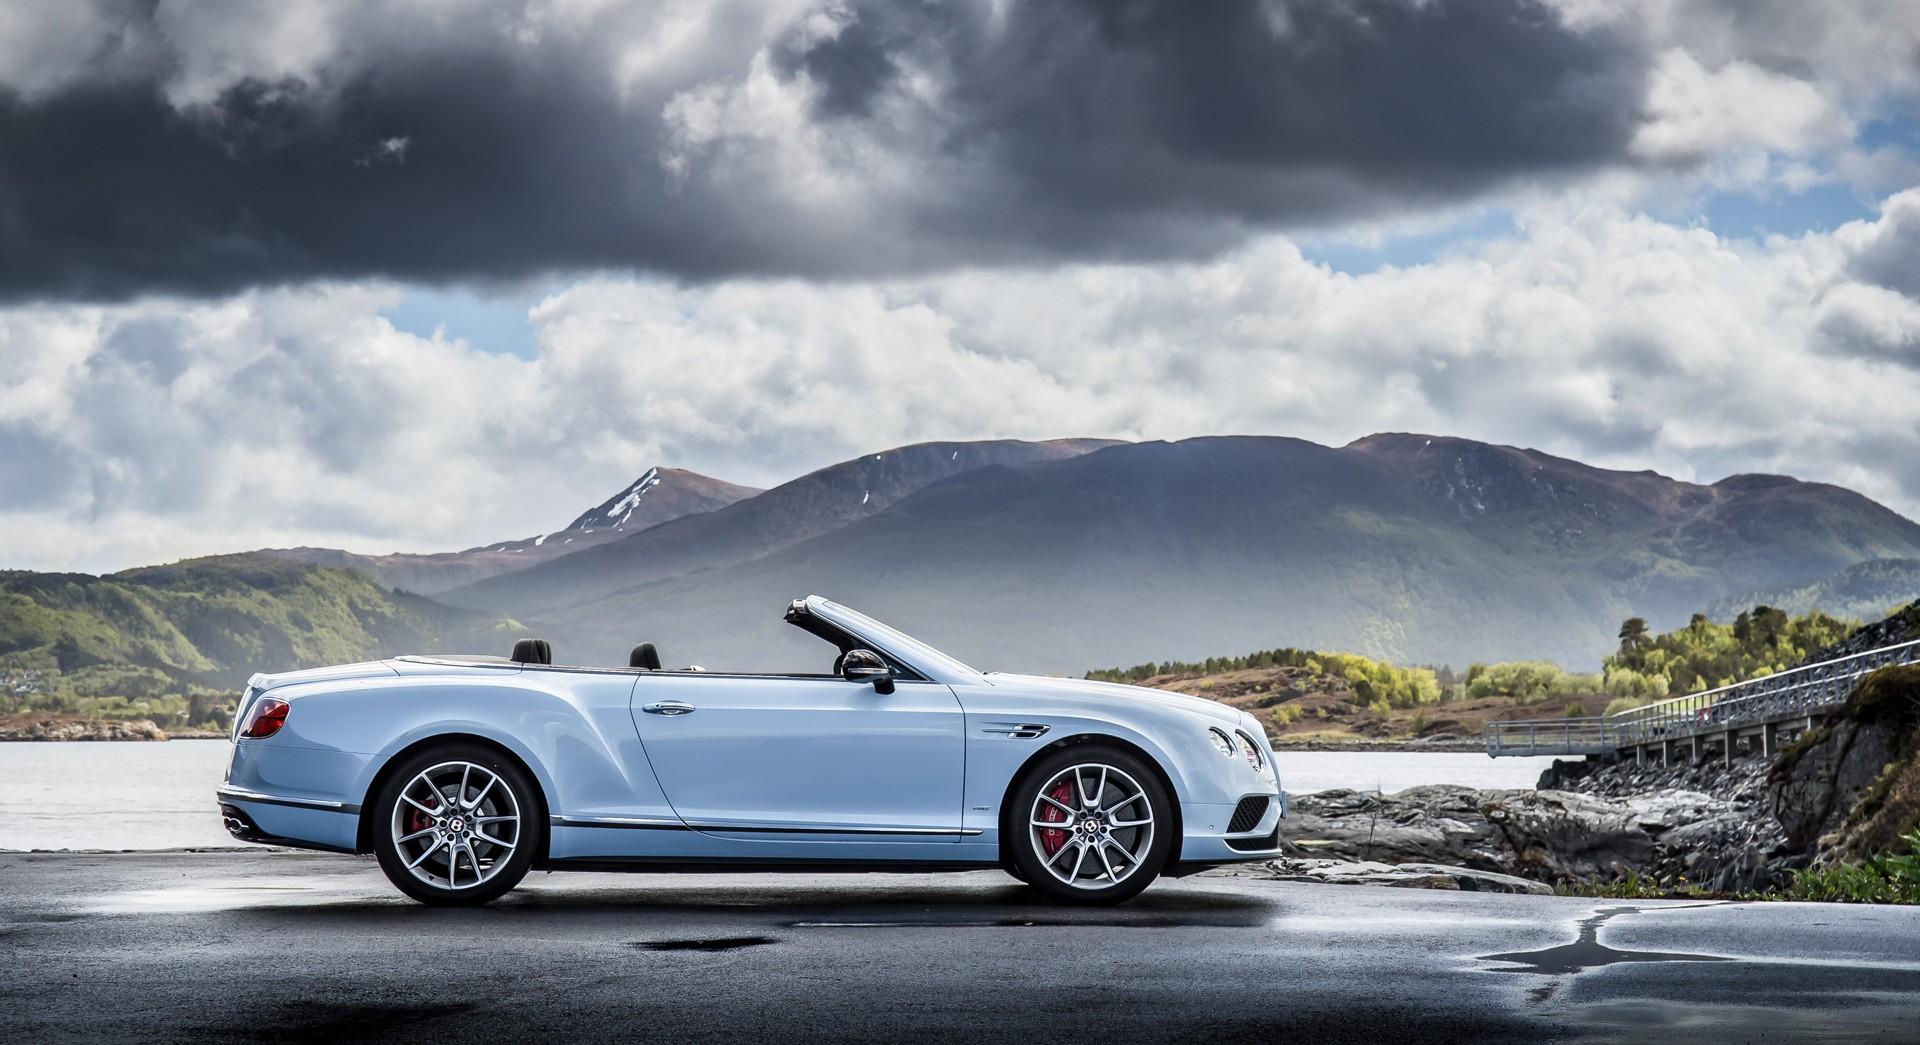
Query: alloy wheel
x=456 y=824
x=1091 y=826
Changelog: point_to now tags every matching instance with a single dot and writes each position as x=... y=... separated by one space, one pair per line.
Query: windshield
x=897 y=642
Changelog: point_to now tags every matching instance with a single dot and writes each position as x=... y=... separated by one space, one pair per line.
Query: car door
x=818 y=757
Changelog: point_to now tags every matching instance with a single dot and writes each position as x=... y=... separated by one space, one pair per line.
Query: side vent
x=1248 y=814
x=1016 y=730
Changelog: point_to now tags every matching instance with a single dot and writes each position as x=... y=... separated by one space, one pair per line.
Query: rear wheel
x=1090 y=824
x=456 y=824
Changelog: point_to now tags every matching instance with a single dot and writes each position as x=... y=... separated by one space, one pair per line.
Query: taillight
x=266 y=718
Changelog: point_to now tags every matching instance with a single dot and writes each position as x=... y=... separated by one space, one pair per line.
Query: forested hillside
x=174 y=643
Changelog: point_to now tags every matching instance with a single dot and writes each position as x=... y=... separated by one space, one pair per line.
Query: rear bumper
x=266 y=821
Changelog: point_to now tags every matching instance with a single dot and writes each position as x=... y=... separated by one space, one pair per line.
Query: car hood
x=1208 y=709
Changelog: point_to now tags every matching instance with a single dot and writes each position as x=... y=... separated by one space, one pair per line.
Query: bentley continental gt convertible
x=462 y=773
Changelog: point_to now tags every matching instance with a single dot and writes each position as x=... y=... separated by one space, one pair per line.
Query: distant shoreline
x=59 y=729
x=1455 y=745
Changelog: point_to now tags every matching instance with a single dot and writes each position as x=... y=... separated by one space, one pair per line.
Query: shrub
x=1527 y=681
x=1634 y=686
x=1620 y=704
x=1893 y=878
x=1369 y=680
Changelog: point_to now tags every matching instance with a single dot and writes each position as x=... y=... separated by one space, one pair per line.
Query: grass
x=1887 y=878
x=1884 y=879
x=1635 y=886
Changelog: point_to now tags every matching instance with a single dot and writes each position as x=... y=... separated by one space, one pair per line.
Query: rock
x=1472 y=881
x=1845 y=790
x=1565 y=773
x=1851 y=787
x=1546 y=836
x=1409 y=876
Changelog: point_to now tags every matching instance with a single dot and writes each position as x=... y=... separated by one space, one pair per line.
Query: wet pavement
x=257 y=946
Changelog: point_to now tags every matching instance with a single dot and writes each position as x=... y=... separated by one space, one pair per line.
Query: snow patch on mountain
x=615 y=513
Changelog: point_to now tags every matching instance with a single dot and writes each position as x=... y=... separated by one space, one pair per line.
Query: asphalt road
x=297 y=948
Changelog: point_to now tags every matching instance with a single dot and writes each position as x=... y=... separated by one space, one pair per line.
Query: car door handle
x=669 y=707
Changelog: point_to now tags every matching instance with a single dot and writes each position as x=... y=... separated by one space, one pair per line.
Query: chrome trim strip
x=708 y=825
x=1018 y=730
x=635 y=823
x=650 y=823
x=241 y=794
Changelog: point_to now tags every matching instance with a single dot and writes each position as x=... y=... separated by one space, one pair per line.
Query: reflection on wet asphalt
x=290 y=947
x=1587 y=952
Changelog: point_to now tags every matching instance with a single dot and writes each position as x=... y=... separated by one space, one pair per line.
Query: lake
x=160 y=795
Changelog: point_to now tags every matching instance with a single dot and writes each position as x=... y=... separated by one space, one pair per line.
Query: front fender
x=1206 y=785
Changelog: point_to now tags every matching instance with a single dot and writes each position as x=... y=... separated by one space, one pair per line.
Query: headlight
x=1252 y=751
x=1222 y=742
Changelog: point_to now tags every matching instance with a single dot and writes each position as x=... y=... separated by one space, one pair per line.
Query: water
x=132 y=795
x=160 y=795
x=1304 y=772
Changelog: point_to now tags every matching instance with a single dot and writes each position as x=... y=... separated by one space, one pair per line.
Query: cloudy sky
x=333 y=273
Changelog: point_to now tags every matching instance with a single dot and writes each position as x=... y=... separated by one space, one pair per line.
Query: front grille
x=1246 y=815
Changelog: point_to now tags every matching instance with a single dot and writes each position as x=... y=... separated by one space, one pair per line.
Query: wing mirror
x=862 y=665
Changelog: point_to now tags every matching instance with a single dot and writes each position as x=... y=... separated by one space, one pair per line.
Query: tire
x=493 y=837
x=1103 y=852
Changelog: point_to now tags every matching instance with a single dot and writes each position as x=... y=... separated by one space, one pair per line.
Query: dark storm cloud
x=1053 y=130
x=1418 y=97
x=109 y=190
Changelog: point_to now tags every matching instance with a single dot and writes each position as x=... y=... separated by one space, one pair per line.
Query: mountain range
x=1071 y=554
x=1065 y=555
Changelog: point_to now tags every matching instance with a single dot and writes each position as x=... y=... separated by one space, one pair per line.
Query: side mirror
x=861 y=665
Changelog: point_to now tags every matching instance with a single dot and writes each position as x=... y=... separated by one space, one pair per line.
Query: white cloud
x=1695 y=112
x=147 y=431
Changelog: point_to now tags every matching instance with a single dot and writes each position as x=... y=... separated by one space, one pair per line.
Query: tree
x=1633 y=636
x=1769 y=625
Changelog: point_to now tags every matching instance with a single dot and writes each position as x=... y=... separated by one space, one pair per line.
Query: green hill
x=176 y=642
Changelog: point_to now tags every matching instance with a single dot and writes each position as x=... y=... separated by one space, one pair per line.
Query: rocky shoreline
x=59 y=728
x=1847 y=789
x=40 y=727
x=1552 y=837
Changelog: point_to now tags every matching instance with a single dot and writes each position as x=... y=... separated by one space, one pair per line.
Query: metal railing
x=1806 y=690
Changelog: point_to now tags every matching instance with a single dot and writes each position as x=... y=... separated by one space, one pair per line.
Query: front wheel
x=456 y=824
x=1090 y=824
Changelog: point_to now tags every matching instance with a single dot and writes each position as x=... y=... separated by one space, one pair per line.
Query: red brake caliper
x=1050 y=839
x=418 y=820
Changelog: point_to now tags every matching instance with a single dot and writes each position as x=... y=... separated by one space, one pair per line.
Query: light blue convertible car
x=461 y=773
